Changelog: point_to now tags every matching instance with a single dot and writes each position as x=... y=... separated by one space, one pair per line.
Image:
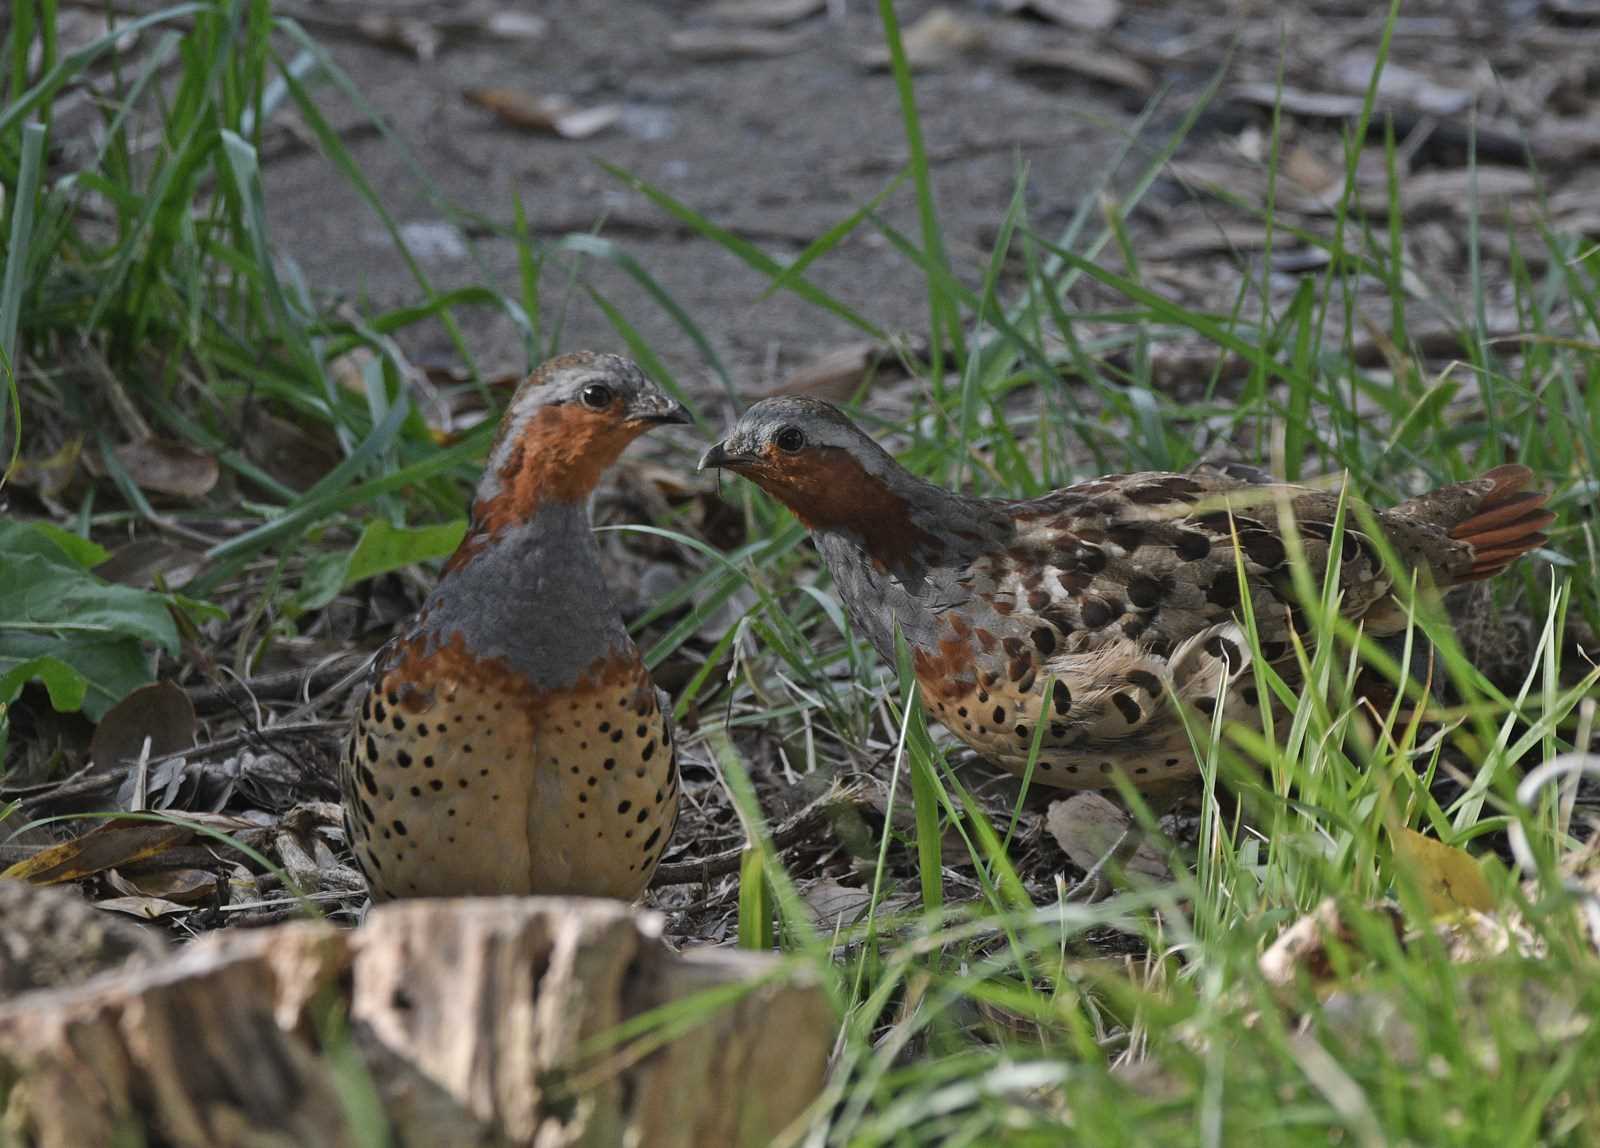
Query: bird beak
x=673 y=413
x=720 y=457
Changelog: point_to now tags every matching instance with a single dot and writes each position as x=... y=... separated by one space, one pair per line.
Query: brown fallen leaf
x=165 y=466
x=550 y=114
x=714 y=44
x=1087 y=826
x=1096 y=64
x=761 y=13
x=184 y=886
x=832 y=903
x=293 y=455
x=106 y=846
x=938 y=38
x=160 y=711
x=140 y=562
x=836 y=375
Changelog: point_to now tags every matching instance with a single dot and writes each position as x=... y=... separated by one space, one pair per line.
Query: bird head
x=807 y=454
x=567 y=422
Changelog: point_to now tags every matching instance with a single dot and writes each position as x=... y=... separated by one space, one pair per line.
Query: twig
x=796 y=829
x=85 y=784
x=279 y=686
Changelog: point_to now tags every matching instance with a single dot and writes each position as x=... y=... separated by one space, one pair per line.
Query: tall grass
x=984 y=1013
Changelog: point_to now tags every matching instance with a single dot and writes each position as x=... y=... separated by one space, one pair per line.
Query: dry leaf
x=1298 y=101
x=407 y=33
x=164 y=466
x=349 y=370
x=1449 y=879
x=1306 y=168
x=711 y=44
x=1453 y=189
x=837 y=374
x=553 y=115
x=50 y=476
x=1401 y=85
x=184 y=886
x=936 y=39
x=106 y=846
x=1086 y=63
x=1087 y=826
x=160 y=711
x=289 y=453
x=761 y=13
x=1301 y=950
x=1210 y=238
x=140 y=562
x=1083 y=15
x=145 y=908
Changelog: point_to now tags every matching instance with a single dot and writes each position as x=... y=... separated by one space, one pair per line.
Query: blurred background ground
x=776 y=119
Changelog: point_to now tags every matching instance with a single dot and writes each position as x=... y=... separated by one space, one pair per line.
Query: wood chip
x=549 y=114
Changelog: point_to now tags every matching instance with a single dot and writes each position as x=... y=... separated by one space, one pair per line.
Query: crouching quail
x=1087 y=609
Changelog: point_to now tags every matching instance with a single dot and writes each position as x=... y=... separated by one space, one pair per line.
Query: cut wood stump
x=495 y=1021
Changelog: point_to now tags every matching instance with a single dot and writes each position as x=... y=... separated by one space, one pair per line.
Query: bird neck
x=532 y=594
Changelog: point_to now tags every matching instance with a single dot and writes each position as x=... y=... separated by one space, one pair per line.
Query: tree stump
x=469 y=1022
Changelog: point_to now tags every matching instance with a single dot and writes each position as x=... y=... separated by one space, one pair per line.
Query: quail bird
x=511 y=740
x=1116 y=592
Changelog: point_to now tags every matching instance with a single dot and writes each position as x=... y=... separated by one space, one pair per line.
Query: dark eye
x=596 y=396
x=790 y=439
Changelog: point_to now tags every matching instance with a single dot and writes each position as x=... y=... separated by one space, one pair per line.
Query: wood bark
x=474 y=1022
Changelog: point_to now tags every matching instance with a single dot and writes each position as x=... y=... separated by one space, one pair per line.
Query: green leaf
x=382 y=548
x=66 y=685
x=53 y=544
x=82 y=637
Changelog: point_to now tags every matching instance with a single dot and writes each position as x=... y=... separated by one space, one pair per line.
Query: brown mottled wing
x=1127 y=588
x=1152 y=558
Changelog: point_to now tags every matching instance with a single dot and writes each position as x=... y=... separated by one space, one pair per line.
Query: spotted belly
x=464 y=783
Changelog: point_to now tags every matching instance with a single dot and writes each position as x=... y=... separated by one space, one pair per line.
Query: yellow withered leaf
x=103 y=847
x=1450 y=879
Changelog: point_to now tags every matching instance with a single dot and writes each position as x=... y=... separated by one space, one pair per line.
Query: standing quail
x=1114 y=590
x=511 y=740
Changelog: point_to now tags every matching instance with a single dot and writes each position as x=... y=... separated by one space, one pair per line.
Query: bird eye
x=596 y=396
x=790 y=439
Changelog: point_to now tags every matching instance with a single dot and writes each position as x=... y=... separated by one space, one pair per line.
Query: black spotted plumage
x=1096 y=607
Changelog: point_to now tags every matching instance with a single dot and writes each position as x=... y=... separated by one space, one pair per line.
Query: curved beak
x=669 y=412
x=720 y=457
